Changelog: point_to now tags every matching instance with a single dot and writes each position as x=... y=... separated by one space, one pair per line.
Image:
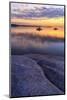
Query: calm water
x=28 y=45
x=56 y=48
x=46 y=31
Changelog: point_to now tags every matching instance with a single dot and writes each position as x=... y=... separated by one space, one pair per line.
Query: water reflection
x=28 y=43
x=44 y=32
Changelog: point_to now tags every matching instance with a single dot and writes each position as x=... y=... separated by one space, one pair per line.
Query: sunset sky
x=46 y=16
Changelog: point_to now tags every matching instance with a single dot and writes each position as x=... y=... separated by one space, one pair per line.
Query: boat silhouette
x=55 y=28
x=39 y=29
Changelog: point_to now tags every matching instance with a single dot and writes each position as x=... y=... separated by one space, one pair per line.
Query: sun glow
x=48 y=23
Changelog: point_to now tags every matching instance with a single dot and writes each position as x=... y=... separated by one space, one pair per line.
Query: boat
x=55 y=28
x=39 y=29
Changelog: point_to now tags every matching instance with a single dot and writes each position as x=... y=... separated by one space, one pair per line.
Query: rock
x=28 y=78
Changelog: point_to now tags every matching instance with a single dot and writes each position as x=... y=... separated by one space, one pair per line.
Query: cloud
x=34 y=10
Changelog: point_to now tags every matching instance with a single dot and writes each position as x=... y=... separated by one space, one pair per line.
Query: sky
x=41 y=15
x=34 y=10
